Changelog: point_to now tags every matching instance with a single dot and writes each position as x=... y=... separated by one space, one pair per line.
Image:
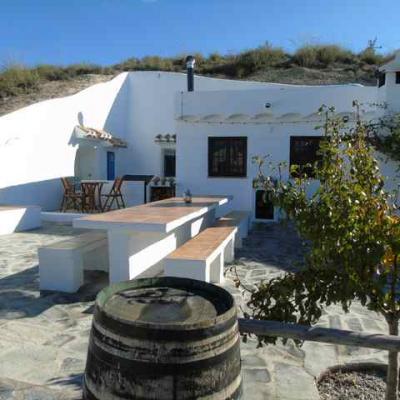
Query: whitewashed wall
x=151 y=112
x=304 y=100
x=271 y=138
x=36 y=147
x=35 y=142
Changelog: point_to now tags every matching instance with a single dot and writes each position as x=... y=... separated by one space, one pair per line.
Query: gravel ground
x=353 y=385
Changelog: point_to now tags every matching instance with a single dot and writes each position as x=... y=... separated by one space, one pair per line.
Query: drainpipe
x=190 y=61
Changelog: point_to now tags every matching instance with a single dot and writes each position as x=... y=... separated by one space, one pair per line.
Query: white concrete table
x=139 y=238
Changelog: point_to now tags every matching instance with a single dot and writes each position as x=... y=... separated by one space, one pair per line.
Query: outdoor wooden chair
x=114 y=195
x=71 y=198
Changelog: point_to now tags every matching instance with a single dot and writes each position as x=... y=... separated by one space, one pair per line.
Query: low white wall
x=19 y=219
x=60 y=217
x=47 y=194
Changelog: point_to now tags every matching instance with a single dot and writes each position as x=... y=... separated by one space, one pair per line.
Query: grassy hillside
x=322 y=64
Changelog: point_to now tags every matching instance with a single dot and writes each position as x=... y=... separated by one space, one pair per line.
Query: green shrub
x=148 y=63
x=370 y=57
x=322 y=55
x=51 y=72
x=216 y=58
x=306 y=56
x=82 y=69
x=16 y=80
x=156 y=63
x=259 y=59
x=245 y=63
x=130 y=64
x=330 y=54
x=57 y=73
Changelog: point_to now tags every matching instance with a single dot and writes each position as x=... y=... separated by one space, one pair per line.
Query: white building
x=218 y=128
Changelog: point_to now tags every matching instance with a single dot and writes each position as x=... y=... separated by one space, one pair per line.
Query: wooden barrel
x=163 y=338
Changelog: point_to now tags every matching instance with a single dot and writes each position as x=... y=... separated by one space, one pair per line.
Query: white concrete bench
x=61 y=264
x=203 y=257
x=241 y=220
x=19 y=218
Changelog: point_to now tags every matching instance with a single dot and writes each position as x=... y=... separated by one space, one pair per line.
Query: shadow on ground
x=20 y=296
x=272 y=245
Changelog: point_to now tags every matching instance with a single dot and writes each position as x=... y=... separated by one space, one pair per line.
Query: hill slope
x=309 y=65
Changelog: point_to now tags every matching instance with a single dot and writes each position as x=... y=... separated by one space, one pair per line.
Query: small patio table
x=91 y=189
x=140 y=237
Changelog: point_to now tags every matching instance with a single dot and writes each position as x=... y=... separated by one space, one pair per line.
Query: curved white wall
x=35 y=142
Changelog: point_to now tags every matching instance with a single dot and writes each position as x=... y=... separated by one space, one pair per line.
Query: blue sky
x=109 y=31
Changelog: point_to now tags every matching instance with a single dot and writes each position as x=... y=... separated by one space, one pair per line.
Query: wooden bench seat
x=61 y=264
x=240 y=219
x=203 y=257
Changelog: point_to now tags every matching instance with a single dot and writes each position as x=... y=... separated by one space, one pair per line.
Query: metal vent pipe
x=190 y=61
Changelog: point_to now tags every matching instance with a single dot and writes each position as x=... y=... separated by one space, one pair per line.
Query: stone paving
x=44 y=337
x=286 y=372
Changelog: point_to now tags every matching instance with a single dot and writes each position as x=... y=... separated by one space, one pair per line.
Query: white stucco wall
x=304 y=100
x=35 y=142
x=271 y=138
x=36 y=147
x=152 y=109
x=390 y=92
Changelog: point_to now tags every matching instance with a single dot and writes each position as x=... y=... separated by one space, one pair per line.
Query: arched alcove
x=86 y=162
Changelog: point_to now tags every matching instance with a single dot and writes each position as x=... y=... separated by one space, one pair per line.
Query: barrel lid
x=165 y=301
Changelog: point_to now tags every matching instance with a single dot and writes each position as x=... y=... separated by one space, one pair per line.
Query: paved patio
x=43 y=338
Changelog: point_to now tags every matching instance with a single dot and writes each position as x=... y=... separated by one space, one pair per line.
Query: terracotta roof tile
x=92 y=133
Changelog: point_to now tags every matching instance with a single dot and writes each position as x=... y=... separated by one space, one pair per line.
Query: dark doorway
x=169 y=165
x=264 y=207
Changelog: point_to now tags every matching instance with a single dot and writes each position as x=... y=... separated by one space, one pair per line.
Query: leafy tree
x=352 y=232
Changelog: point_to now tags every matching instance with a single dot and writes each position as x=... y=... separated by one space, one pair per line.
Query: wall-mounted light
x=267 y=105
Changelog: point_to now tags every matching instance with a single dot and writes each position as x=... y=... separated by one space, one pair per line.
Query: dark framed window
x=227 y=156
x=169 y=164
x=398 y=77
x=381 y=79
x=304 y=153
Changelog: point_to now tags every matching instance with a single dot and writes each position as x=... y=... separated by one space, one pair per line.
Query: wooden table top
x=159 y=216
